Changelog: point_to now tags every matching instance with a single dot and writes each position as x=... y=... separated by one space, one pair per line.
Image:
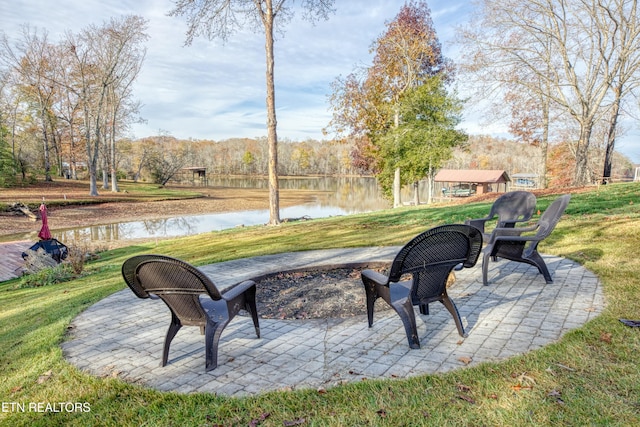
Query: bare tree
x=220 y=19
x=106 y=60
x=623 y=23
x=30 y=63
x=570 y=52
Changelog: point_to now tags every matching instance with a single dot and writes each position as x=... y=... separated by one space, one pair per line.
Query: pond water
x=341 y=196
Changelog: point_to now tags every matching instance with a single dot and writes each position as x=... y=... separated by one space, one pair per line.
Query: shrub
x=47 y=276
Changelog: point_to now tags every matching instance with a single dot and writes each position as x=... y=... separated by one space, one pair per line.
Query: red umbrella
x=45 y=233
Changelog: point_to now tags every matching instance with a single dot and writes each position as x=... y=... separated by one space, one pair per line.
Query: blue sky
x=211 y=90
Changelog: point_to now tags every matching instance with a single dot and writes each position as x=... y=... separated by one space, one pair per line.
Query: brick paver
x=518 y=312
x=11 y=262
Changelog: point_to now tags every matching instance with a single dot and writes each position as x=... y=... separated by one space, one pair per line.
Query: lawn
x=590 y=377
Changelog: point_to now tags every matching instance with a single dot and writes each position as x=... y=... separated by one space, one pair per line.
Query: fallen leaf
x=297 y=422
x=42 y=378
x=519 y=387
x=554 y=393
x=590 y=309
x=322 y=390
x=493 y=396
x=16 y=389
x=462 y=387
x=524 y=378
x=382 y=413
x=606 y=337
x=465 y=359
x=466 y=398
x=256 y=422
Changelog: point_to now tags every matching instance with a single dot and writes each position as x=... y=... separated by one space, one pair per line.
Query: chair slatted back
x=548 y=220
x=430 y=257
x=176 y=285
x=176 y=282
x=515 y=205
x=551 y=216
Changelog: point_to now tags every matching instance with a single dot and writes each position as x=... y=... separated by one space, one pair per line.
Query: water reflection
x=189 y=225
x=340 y=196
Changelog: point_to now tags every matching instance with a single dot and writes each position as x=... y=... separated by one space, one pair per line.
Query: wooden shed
x=196 y=175
x=465 y=182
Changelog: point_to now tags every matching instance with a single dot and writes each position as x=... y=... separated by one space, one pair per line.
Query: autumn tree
x=424 y=138
x=367 y=104
x=220 y=19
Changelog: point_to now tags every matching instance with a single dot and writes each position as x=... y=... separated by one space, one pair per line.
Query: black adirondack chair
x=192 y=298
x=426 y=261
x=508 y=210
x=515 y=245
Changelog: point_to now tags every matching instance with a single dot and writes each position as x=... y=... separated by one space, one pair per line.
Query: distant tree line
x=554 y=166
x=159 y=158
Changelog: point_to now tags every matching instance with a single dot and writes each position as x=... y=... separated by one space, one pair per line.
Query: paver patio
x=518 y=312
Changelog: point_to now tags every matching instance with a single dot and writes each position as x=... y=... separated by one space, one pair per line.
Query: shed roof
x=472 y=176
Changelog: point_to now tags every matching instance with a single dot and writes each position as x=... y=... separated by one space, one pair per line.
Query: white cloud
x=211 y=90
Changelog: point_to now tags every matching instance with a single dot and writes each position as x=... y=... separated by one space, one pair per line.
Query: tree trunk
x=113 y=169
x=92 y=157
x=93 y=182
x=272 y=136
x=545 y=141
x=416 y=193
x=582 y=168
x=611 y=138
x=397 y=188
x=45 y=142
x=430 y=185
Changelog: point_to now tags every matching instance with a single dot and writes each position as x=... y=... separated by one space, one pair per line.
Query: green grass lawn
x=590 y=377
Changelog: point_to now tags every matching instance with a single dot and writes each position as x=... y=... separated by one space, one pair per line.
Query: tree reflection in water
x=337 y=196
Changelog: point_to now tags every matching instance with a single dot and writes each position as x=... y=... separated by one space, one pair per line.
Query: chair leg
x=424 y=309
x=174 y=327
x=213 y=331
x=485 y=267
x=250 y=306
x=451 y=306
x=372 y=296
x=537 y=260
x=408 y=317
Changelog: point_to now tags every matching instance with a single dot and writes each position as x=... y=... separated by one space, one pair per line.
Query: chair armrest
x=510 y=223
x=478 y=223
x=515 y=231
x=509 y=233
x=375 y=277
x=505 y=238
x=238 y=289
